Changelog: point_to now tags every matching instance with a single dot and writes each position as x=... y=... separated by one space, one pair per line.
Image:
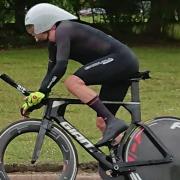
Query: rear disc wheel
x=140 y=148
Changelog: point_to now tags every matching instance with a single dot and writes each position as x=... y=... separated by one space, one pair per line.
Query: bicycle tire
x=56 y=135
x=140 y=148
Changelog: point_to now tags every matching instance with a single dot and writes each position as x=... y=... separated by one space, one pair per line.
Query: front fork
x=45 y=125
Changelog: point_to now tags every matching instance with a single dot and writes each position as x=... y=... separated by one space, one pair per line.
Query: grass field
x=159 y=96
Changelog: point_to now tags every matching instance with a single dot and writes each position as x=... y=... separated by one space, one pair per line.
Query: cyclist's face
x=41 y=36
x=38 y=37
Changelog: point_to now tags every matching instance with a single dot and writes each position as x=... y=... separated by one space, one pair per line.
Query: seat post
x=135 y=90
x=135 y=98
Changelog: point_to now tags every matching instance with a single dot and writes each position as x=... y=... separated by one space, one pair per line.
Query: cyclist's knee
x=100 y=124
x=73 y=82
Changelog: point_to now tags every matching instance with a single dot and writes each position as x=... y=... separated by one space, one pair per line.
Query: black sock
x=102 y=111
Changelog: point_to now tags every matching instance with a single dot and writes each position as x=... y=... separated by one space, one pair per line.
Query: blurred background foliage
x=130 y=20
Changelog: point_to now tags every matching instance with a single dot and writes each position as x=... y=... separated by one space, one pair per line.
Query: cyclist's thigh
x=112 y=92
x=108 y=69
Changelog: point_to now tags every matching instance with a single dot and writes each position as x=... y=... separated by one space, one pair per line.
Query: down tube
x=84 y=142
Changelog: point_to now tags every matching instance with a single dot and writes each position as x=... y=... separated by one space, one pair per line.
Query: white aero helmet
x=44 y=15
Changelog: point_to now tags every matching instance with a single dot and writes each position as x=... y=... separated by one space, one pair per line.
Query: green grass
x=159 y=96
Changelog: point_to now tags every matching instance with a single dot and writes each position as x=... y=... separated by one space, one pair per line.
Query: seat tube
x=135 y=98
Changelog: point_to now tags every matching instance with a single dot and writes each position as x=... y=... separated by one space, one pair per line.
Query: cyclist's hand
x=32 y=102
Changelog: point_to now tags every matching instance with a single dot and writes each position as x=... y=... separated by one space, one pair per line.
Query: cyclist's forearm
x=53 y=77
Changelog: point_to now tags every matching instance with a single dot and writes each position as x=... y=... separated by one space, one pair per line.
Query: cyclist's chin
x=41 y=39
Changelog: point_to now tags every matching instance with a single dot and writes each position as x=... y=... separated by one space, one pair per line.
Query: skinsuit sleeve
x=60 y=53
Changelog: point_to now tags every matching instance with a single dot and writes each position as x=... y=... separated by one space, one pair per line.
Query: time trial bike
x=147 y=151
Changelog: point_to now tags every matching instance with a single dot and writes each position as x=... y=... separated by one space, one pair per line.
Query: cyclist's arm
x=52 y=58
x=62 y=55
x=51 y=62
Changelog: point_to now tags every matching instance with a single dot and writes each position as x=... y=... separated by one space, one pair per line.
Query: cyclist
x=105 y=60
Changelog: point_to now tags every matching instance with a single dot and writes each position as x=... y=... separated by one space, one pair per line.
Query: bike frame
x=55 y=109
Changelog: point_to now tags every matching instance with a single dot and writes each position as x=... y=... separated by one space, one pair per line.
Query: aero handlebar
x=11 y=82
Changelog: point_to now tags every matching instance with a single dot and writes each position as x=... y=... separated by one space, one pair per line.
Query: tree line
x=151 y=17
